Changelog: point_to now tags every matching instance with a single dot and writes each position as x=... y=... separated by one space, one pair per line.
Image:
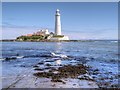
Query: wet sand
x=28 y=80
x=42 y=74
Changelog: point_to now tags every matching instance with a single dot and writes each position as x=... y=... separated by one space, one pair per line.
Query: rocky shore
x=63 y=66
x=44 y=74
x=63 y=77
x=67 y=71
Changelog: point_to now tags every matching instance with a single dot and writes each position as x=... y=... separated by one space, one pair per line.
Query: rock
x=96 y=71
x=63 y=72
x=50 y=61
x=41 y=63
x=39 y=69
x=53 y=85
x=11 y=58
x=22 y=66
x=43 y=74
x=35 y=66
x=85 y=77
x=56 y=80
x=48 y=64
x=74 y=84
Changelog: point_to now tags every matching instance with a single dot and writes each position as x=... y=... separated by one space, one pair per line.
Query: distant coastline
x=14 y=40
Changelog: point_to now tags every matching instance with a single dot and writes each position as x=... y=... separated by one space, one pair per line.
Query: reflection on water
x=58 y=62
x=58 y=47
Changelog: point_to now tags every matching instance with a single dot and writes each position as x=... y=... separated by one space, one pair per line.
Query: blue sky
x=79 y=20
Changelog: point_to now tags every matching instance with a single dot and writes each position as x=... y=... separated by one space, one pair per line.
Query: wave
x=114 y=41
x=1 y=59
x=59 y=55
x=12 y=58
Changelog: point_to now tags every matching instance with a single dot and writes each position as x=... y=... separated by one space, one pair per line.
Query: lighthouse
x=57 y=36
x=57 y=23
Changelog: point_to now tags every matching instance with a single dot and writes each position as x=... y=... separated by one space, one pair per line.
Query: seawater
x=99 y=55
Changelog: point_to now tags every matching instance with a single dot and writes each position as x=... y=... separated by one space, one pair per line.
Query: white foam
x=2 y=59
x=20 y=57
x=114 y=41
x=58 y=62
x=59 y=55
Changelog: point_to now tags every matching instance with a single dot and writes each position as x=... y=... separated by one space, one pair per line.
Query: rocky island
x=41 y=36
x=44 y=35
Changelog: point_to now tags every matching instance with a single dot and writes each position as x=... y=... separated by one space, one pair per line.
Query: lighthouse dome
x=57 y=10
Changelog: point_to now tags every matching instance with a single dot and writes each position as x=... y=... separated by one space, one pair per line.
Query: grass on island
x=36 y=37
x=58 y=36
x=31 y=38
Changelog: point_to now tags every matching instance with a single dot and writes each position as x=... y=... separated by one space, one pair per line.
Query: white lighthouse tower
x=57 y=35
x=57 y=23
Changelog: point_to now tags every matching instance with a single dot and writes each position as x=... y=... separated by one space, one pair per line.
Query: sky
x=80 y=20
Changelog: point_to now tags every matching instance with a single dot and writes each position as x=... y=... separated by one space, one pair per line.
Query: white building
x=59 y=38
x=45 y=31
x=57 y=23
x=57 y=35
x=42 y=32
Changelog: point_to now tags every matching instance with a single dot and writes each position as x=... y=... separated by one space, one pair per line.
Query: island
x=44 y=35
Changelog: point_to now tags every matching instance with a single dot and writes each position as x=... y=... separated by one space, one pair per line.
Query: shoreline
x=13 y=40
x=52 y=78
x=33 y=82
x=48 y=66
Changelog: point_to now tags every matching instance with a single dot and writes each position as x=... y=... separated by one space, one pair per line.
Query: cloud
x=9 y=25
x=98 y=34
x=11 y=31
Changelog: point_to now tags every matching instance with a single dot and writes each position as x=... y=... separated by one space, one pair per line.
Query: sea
x=101 y=56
